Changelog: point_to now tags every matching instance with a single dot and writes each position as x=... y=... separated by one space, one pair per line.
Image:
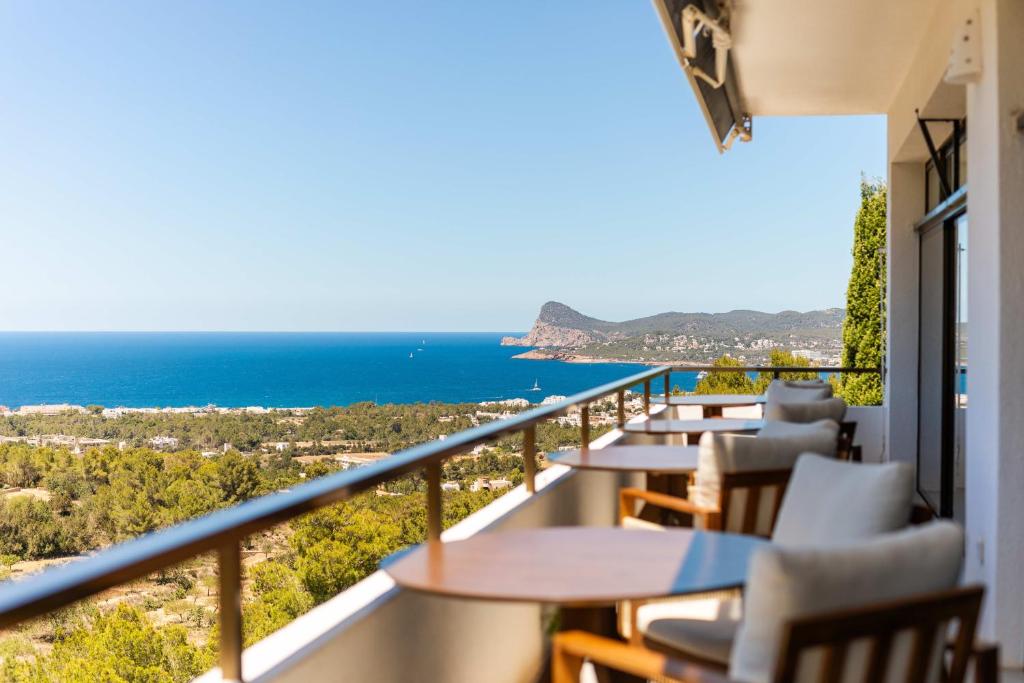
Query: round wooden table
x=652 y=459
x=578 y=566
x=714 y=403
x=694 y=428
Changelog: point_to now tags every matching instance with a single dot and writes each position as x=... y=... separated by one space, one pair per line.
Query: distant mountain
x=559 y=326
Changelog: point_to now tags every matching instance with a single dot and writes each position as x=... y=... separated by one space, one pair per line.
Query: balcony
x=356 y=632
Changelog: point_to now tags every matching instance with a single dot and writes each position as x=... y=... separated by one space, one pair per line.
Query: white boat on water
x=702 y=375
x=536 y=385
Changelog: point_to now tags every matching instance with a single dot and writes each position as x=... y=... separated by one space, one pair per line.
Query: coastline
x=565 y=357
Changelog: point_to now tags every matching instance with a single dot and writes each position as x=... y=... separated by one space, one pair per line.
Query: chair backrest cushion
x=797 y=391
x=820 y=436
x=786 y=583
x=722 y=453
x=830 y=502
x=805 y=411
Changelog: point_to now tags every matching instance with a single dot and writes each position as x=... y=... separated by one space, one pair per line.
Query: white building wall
x=995 y=415
x=907 y=154
x=906 y=200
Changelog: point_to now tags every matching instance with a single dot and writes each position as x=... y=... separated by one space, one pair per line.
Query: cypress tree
x=863 y=337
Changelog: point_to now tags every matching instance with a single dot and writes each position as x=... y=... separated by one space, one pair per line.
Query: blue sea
x=139 y=369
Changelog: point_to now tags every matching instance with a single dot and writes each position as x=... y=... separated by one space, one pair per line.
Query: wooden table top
x=713 y=400
x=657 y=459
x=691 y=427
x=578 y=566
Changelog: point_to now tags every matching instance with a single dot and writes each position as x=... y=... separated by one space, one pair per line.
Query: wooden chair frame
x=845 y=450
x=835 y=631
x=714 y=518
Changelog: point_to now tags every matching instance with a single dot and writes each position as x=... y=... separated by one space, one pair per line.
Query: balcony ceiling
x=811 y=57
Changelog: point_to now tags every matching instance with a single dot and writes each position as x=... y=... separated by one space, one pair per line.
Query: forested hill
x=559 y=325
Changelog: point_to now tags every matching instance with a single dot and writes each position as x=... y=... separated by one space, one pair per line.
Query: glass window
x=931 y=367
x=960 y=378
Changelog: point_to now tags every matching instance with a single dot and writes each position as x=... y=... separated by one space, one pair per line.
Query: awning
x=705 y=60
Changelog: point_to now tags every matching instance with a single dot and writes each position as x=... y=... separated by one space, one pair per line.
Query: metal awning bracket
x=940 y=163
x=692 y=20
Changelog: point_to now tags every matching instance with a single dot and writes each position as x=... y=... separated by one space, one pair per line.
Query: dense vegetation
x=863 y=334
x=736 y=382
x=164 y=628
x=359 y=427
x=366 y=425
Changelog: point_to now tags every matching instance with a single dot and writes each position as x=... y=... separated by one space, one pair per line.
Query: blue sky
x=393 y=166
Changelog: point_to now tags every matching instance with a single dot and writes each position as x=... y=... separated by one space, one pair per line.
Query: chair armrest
x=572 y=648
x=986 y=661
x=921 y=514
x=629 y=496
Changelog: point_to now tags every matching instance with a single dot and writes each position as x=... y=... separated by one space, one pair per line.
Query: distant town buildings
x=162 y=442
x=510 y=402
x=75 y=444
x=483 y=484
x=50 y=409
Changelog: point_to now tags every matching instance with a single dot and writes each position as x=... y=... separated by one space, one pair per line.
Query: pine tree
x=863 y=337
x=729 y=382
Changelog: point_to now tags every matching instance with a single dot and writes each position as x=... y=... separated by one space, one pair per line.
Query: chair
x=876 y=610
x=740 y=480
x=789 y=391
x=836 y=633
x=776 y=411
x=827 y=502
x=805 y=410
x=799 y=430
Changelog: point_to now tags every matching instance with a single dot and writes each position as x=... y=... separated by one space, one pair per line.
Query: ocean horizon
x=283 y=369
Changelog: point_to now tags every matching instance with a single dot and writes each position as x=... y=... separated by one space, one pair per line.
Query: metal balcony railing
x=224 y=530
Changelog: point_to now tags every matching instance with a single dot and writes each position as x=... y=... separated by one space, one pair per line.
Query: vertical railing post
x=775 y=374
x=585 y=426
x=621 y=417
x=668 y=382
x=433 y=472
x=231 y=612
x=647 y=397
x=530 y=458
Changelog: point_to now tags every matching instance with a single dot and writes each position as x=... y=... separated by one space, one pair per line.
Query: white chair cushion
x=829 y=502
x=797 y=391
x=702 y=627
x=826 y=503
x=820 y=436
x=785 y=583
x=806 y=411
x=721 y=453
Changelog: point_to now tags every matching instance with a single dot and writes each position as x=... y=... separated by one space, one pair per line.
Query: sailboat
x=536 y=385
x=410 y=354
